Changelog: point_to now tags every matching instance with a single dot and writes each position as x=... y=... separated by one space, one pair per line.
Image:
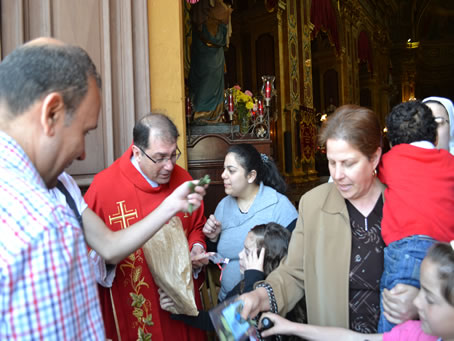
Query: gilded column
x=281 y=81
x=408 y=81
x=293 y=104
x=350 y=19
x=307 y=125
x=280 y=30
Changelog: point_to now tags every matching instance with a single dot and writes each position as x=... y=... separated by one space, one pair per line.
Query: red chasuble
x=121 y=196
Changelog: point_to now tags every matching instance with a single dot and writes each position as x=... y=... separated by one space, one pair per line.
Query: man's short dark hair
x=157 y=124
x=410 y=122
x=31 y=72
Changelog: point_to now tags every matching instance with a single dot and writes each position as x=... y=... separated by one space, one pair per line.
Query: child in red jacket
x=419 y=199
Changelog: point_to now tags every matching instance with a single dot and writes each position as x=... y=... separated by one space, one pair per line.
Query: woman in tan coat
x=335 y=256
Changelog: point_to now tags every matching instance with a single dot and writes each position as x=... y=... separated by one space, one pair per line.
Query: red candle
x=268 y=89
x=231 y=108
x=260 y=107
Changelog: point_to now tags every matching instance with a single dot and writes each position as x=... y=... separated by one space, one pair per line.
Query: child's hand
x=165 y=301
x=254 y=260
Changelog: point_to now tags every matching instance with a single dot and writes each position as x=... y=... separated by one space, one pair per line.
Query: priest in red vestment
x=128 y=190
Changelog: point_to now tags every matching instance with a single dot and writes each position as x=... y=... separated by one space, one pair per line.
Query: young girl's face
x=435 y=313
x=250 y=245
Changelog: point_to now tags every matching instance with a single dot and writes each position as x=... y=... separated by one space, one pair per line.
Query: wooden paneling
x=115 y=35
x=80 y=23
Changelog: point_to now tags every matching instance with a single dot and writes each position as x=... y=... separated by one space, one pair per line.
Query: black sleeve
x=250 y=278
x=292 y=225
x=212 y=246
x=201 y=321
x=235 y=291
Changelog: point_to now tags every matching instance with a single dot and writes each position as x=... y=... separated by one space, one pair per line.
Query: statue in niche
x=331 y=107
x=211 y=30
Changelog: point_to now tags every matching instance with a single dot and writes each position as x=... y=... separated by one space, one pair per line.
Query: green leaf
x=137 y=300
x=147 y=320
x=138 y=313
x=142 y=335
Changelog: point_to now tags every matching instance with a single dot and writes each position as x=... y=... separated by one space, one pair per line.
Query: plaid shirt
x=47 y=287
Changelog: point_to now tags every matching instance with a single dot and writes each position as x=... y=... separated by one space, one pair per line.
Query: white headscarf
x=450 y=109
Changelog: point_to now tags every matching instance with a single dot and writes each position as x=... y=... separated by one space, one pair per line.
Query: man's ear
x=136 y=152
x=52 y=113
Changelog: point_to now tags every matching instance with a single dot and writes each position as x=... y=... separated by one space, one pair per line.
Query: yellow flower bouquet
x=244 y=102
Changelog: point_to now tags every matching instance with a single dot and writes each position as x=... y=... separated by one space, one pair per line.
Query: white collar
x=136 y=165
x=423 y=144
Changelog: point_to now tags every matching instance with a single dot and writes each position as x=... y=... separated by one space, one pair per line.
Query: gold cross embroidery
x=123 y=215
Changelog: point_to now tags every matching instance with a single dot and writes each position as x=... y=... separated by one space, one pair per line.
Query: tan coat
x=318 y=261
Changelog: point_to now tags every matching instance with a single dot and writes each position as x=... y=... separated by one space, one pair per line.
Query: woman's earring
x=374 y=172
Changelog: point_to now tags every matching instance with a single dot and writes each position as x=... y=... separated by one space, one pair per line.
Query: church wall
x=166 y=64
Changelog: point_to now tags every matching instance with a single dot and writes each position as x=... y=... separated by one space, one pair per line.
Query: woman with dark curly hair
x=419 y=205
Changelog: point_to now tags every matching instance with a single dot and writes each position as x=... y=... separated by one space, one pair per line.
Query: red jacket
x=419 y=198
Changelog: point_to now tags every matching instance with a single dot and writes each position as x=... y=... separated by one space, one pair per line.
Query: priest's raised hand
x=186 y=197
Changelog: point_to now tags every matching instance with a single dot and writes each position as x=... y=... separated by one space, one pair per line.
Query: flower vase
x=244 y=124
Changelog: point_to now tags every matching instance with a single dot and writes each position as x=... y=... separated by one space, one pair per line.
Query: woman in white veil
x=443 y=111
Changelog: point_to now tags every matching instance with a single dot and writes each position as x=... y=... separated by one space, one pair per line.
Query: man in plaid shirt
x=49 y=100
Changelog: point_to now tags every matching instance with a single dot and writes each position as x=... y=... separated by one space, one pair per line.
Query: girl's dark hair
x=274 y=238
x=356 y=125
x=442 y=254
x=250 y=159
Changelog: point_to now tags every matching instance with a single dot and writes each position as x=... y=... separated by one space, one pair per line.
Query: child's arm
x=283 y=326
x=201 y=321
x=250 y=278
